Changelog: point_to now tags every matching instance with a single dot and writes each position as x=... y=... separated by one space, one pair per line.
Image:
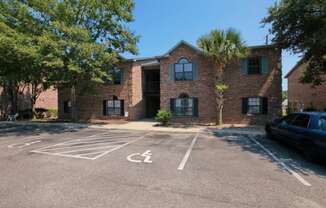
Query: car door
x=298 y=130
x=281 y=129
x=320 y=133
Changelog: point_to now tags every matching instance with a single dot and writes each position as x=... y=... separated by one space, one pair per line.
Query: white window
x=114 y=107
x=254 y=105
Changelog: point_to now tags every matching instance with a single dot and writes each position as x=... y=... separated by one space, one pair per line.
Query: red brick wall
x=267 y=85
x=203 y=88
x=48 y=99
x=90 y=104
x=240 y=86
x=305 y=93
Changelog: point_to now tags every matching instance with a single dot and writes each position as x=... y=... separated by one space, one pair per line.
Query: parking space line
x=185 y=158
x=91 y=148
x=74 y=146
x=287 y=168
x=77 y=151
x=119 y=147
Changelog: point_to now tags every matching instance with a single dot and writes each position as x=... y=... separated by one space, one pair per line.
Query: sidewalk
x=150 y=126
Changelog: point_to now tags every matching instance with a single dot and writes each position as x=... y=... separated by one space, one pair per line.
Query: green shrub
x=164 y=117
x=53 y=113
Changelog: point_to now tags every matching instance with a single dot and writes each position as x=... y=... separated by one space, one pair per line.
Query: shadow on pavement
x=290 y=156
x=13 y=129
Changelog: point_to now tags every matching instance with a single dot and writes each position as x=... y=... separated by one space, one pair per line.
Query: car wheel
x=269 y=134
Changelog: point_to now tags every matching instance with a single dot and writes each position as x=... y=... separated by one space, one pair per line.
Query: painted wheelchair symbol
x=137 y=157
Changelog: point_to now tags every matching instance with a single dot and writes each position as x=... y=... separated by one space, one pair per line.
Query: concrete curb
x=254 y=132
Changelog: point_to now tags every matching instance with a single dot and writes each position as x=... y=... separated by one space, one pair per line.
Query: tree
x=87 y=37
x=300 y=27
x=22 y=60
x=284 y=95
x=222 y=47
x=72 y=43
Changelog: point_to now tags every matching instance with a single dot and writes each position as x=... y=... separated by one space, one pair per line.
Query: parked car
x=306 y=131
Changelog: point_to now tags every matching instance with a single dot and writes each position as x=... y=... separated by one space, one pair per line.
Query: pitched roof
x=301 y=61
x=182 y=42
x=196 y=49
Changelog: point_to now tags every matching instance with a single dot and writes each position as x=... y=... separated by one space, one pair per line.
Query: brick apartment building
x=47 y=99
x=182 y=81
x=304 y=96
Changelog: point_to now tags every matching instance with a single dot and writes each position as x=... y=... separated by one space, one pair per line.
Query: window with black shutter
x=113 y=107
x=254 y=65
x=184 y=106
x=255 y=105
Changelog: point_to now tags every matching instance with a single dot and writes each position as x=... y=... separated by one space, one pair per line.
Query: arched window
x=183 y=70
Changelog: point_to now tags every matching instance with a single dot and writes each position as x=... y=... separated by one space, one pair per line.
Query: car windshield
x=322 y=123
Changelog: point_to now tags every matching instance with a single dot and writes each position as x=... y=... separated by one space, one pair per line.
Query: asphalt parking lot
x=55 y=166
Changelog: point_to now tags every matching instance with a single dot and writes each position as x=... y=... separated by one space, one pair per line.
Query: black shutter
x=122 y=106
x=172 y=105
x=264 y=101
x=244 y=105
x=105 y=107
x=195 y=107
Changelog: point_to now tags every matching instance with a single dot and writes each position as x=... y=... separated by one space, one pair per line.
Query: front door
x=152 y=106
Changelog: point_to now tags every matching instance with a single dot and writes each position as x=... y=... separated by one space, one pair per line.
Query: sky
x=163 y=23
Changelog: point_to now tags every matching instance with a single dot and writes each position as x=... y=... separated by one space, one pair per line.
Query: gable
x=184 y=44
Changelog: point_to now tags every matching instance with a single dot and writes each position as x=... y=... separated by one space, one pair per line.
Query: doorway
x=152 y=92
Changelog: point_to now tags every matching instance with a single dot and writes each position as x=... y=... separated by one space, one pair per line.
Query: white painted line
x=23 y=144
x=287 y=168
x=90 y=153
x=80 y=156
x=185 y=158
x=129 y=158
x=119 y=147
x=91 y=148
x=62 y=155
x=147 y=155
x=81 y=146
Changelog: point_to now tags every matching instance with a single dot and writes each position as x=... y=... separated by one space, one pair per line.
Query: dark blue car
x=306 y=131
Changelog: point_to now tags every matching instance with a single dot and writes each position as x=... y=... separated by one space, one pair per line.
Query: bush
x=41 y=113
x=53 y=113
x=164 y=117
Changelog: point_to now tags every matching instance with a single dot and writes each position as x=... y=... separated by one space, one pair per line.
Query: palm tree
x=222 y=46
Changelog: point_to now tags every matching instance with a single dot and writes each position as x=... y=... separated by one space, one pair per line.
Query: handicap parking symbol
x=140 y=158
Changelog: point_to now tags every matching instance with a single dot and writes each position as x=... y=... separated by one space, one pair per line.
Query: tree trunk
x=220 y=123
x=220 y=106
x=33 y=99
x=73 y=104
x=219 y=97
x=13 y=97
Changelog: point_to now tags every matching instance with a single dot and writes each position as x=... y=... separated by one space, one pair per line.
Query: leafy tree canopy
x=300 y=26
x=223 y=46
